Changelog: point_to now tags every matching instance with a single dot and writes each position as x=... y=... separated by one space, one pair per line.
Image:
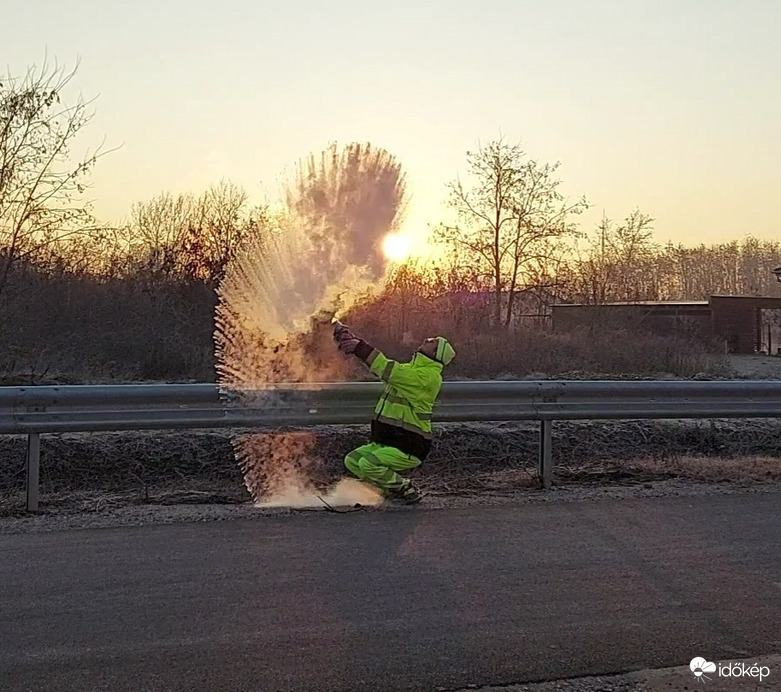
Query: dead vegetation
x=98 y=471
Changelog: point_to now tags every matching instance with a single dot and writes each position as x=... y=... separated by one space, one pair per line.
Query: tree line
x=512 y=244
x=511 y=232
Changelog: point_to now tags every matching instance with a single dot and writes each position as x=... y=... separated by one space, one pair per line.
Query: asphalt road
x=406 y=600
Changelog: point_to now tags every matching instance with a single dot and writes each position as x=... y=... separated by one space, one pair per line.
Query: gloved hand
x=348 y=345
x=341 y=332
x=345 y=339
x=339 y=329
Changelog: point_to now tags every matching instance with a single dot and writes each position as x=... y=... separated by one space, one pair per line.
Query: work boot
x=408 y=495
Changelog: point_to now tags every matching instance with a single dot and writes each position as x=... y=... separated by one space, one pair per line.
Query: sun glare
x=397 y=247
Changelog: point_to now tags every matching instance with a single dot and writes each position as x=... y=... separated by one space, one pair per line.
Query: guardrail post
x=546 y=445
x=33 y=470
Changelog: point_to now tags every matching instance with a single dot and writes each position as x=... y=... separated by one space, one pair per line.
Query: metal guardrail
x=93 y=408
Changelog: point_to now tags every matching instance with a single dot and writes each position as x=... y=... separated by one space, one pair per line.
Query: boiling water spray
x=308 y=261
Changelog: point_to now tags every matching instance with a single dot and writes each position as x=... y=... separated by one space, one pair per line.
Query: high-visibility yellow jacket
x=402 y=417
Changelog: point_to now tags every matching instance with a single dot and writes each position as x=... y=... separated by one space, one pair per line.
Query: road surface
x=403 y=600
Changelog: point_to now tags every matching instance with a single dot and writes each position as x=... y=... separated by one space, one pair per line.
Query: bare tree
x=510 y=220
x=219 y=222
x=157 y=231
x=191 y=237
x=616 y=262
x=40 y=186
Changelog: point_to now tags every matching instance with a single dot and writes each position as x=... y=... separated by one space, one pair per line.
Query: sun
x=397 y=247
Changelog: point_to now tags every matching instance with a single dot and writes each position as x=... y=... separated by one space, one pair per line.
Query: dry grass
x=200 y=467
x=584 y=354
x=70 y=330
x=66 y=329
x=532 y=351
x=738 y=470
x=749 y=469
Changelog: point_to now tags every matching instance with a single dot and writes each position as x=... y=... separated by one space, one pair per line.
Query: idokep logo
x=700 y=667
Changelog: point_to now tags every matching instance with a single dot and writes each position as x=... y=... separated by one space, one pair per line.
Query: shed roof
x=666 y=303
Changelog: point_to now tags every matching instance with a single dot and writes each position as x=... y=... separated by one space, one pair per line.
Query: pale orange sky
x=669 y=105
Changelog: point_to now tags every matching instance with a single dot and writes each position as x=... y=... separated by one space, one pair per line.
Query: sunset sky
x=670 y=105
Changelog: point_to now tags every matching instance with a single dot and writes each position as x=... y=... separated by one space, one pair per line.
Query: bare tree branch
x=39 y=185
x=509 y=217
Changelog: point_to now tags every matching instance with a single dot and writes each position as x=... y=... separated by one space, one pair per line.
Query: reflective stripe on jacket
x=402 y=417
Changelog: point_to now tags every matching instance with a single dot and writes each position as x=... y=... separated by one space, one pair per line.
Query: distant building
x=734 y=320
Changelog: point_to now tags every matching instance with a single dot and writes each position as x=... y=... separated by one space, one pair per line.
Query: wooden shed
x=737 y=321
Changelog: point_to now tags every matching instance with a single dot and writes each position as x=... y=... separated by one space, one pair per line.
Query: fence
x=34 y=411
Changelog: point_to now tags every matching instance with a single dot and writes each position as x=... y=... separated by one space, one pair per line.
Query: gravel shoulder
x=88 y=510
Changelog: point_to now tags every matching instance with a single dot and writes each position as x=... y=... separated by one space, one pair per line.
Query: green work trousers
x=377 y=464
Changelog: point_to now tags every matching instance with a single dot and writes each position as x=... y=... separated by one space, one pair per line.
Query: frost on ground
x=755 y=366
x=464 y=458
x=133 y=477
